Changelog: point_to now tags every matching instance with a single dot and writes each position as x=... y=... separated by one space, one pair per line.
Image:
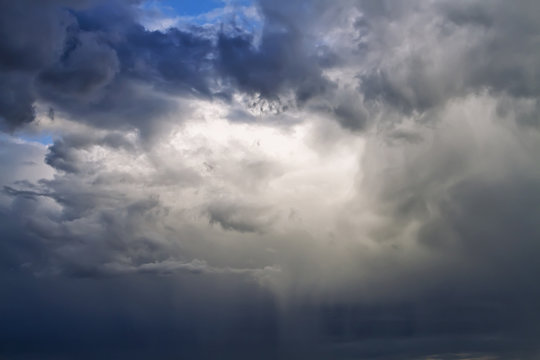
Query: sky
x=269 y=179
x=192 y=8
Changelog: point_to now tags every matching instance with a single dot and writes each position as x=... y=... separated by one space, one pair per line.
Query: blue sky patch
x=192 y=8
x=42 y=138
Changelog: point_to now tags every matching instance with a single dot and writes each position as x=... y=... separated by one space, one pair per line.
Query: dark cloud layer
x=174 y=215
x=92 y=61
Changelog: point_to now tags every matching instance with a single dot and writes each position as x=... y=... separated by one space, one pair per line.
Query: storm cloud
x=270 y=179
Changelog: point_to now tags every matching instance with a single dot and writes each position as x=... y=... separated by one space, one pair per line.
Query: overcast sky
x=269 y=179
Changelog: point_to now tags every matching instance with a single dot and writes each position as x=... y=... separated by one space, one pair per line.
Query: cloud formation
x=296 y=179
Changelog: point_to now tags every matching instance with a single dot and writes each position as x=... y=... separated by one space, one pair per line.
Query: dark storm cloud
x=286 y=58
x=85 y=69
x=32 y=36
x=95 y=63
x=92 y=61
x=117 y=249
x=89 y=61
x=16 y=102
x=115 y=74
x=280 y=63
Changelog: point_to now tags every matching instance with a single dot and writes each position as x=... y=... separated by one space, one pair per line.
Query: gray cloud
x=242 y=218
x=83 y=71
x=16 y=104
x=97 y=60
x=352 y=180
x=476 y=43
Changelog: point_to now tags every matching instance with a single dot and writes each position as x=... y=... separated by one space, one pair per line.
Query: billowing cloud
x=279 y=179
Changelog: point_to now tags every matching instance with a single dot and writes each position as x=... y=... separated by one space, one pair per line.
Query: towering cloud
x=277 y=180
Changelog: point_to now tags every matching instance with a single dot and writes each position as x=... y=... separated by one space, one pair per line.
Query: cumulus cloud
x=325 y=180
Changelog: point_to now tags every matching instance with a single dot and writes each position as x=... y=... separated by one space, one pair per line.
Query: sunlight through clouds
x=269 y=179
